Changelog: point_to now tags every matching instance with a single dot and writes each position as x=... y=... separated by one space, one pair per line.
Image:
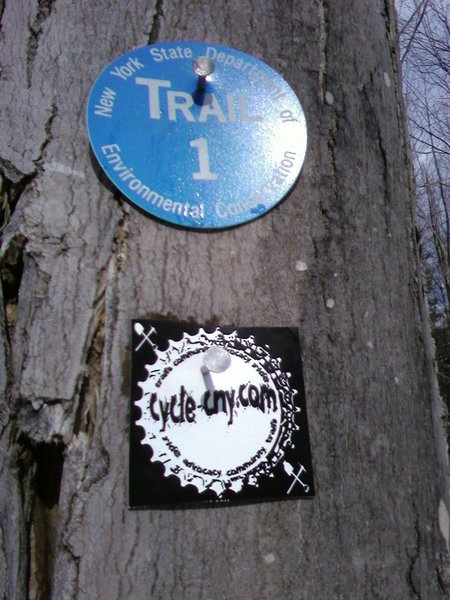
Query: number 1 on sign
x=203 y=160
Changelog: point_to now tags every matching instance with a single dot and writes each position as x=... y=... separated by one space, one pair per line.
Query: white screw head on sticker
x=216 y=359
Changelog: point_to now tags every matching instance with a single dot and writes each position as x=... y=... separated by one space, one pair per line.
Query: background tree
x=338 y=259
x=425 y=54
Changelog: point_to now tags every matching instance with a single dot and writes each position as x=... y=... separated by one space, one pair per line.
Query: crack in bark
x=85 y=411
x=156 y=23
x=12 y=185
x=25 y=469
x=44 y=8
x=49 y=460
x=324 y=27
x=120 y=240
x=11 y=260
x=11 y=268
x=373 y=125
x=44 y=521
x=6 y=384
x=39 y=467
x=390 y=33
x=414 y=557
x=2 y=10
x=49 y=135
x=441 y=581
x=331 y=144
x=11 y=257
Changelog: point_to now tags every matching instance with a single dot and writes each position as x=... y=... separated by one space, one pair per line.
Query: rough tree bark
x=337 y=259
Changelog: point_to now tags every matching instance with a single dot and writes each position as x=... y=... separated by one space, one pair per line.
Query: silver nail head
x=216 y=359
x=203 y=66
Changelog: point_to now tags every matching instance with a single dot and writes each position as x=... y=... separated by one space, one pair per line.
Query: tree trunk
x=337 y=259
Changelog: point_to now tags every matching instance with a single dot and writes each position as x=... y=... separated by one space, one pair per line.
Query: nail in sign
x=198 y=135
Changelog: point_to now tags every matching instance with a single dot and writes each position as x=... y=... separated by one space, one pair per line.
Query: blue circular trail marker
x=200 y=151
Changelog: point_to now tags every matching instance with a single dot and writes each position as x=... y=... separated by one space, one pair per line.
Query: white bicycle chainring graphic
x=217 y=431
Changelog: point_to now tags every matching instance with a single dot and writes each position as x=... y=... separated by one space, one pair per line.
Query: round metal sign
x=200 y=135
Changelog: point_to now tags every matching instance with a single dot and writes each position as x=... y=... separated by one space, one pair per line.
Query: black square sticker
x=218 y=415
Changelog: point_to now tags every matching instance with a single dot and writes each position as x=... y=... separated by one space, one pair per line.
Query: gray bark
x=78 y=263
